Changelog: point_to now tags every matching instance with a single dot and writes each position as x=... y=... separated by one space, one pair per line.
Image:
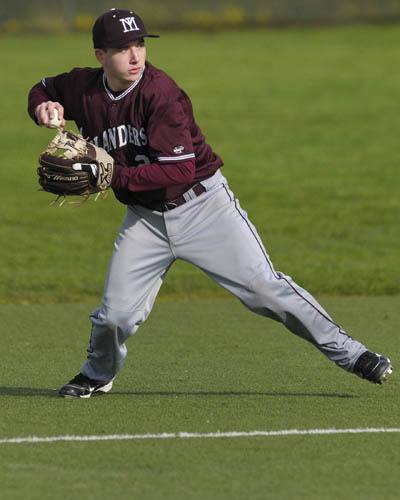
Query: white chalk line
x=196 y=435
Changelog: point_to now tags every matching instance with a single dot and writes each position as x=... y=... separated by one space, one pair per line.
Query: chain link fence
x=73 y=15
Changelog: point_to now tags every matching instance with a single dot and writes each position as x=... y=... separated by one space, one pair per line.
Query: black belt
x=164 y=206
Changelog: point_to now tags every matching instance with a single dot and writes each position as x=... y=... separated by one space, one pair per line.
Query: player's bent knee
x=264 y=284
x=266 y=296
x=125 y=322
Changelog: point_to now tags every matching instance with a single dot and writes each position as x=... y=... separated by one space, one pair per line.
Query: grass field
x=224 y=370
x=307 y=123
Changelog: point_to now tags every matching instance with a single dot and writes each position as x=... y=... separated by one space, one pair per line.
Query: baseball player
x=179 y=206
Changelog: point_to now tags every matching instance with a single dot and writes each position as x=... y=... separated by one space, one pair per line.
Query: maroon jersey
x=149 y=129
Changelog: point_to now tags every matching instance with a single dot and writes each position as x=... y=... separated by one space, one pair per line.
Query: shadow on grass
x=30 y=391
x=232 y=394
x=27 y=391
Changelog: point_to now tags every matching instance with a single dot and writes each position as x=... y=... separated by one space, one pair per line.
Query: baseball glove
x=72 y=166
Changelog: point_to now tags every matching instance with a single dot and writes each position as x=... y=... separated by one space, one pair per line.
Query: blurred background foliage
x=50 y=16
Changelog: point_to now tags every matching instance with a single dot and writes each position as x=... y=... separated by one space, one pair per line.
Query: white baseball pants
x=214 y=233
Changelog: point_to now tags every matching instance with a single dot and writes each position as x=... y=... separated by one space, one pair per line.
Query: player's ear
x=100 y=54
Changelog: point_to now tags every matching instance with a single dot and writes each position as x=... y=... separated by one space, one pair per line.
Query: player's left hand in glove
x=72 y=166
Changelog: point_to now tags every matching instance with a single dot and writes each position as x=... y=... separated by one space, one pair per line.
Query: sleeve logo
x=178 y=149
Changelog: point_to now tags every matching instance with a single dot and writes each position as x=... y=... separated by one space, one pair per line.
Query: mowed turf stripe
x=195 y=435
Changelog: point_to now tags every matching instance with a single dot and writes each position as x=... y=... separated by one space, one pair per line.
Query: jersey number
x=142 y=159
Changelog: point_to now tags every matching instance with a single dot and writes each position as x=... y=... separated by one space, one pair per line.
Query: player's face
x=123 y=66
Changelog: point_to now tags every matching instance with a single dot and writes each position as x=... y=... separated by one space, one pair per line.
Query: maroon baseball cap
x=117 y=28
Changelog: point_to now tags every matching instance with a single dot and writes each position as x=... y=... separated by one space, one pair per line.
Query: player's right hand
x=45 y=113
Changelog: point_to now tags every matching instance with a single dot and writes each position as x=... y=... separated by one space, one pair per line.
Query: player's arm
x=47 y=96
x=153 y=176
x=171 y=158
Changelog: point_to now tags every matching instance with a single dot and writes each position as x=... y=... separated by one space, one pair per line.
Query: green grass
x=199 y=367
x=306 y=121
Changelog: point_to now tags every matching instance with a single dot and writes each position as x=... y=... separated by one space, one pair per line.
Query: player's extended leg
x=222 y=241
x=138 y=265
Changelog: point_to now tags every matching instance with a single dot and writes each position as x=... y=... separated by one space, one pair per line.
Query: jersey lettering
x=118 y=137
x=105 y=141
x=122 y=135
x=112 y=138
x=133 y=135
x=143 y=136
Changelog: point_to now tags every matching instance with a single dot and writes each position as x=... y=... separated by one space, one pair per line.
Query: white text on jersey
x=118 y=137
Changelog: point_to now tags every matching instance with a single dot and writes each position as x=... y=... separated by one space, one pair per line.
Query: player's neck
x=117 y=85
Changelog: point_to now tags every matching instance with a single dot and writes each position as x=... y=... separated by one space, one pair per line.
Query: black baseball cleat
x=373 y=367
x=83 y=387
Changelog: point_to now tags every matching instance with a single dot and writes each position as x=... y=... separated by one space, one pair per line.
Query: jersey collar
x=124 y=93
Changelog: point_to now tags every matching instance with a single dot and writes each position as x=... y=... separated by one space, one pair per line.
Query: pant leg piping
x=277 y=276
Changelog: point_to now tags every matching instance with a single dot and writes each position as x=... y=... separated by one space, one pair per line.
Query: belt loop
x=189 y=195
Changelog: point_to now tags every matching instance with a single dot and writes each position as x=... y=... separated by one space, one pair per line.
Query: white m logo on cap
x=129 y=24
